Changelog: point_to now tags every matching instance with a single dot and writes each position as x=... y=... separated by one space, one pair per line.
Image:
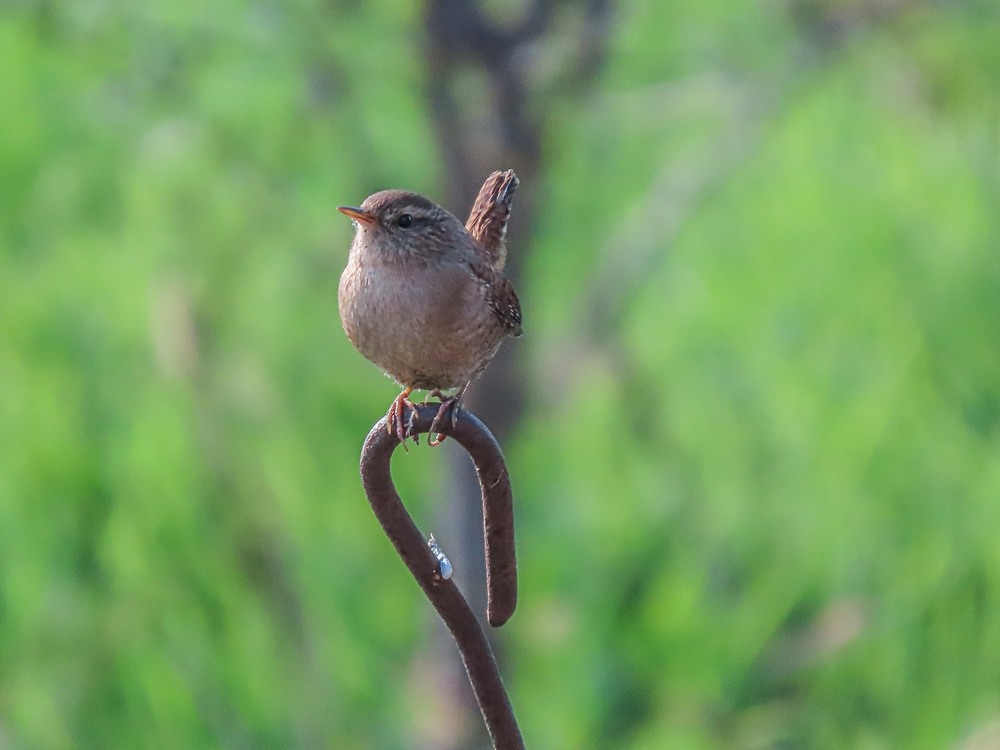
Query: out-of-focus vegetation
x=758 y=486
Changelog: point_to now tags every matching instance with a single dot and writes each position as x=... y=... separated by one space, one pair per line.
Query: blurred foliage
x=758 y=486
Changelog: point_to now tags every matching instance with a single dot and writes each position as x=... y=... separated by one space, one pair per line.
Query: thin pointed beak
x=357 y=214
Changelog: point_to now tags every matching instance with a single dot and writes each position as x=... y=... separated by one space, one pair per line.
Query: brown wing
x=500 y=296
x=507 y=307
x=488 y=219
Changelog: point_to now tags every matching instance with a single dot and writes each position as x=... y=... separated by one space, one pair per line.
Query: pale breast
x=426 y=326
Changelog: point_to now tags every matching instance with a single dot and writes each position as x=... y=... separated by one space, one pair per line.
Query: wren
x=424 y=297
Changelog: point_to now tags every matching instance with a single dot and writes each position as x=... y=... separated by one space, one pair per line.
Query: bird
x=425 y=298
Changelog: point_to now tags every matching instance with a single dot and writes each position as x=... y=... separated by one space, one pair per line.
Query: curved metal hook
x=501 y=564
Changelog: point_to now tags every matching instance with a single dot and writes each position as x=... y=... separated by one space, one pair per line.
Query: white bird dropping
x=444 y=564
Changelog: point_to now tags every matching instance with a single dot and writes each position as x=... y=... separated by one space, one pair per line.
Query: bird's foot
x=396 y=420
x=447 y=402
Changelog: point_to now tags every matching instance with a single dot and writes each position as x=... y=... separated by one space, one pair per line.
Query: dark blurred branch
x=501 y=565
x=487 y=100
x=504 y=128
x=461 y=37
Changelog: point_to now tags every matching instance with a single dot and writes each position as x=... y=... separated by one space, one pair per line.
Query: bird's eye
x=404 y=220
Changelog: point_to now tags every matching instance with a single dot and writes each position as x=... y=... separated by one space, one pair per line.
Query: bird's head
x=400 y=224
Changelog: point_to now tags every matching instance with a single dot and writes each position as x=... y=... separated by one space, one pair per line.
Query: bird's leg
x=451 y=402
x=433 y=441
x=396 y=418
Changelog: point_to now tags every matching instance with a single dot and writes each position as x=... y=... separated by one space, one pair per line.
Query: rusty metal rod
x=501 y=564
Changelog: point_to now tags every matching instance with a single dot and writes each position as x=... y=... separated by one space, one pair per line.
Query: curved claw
x=396 y=421
x=436 y=438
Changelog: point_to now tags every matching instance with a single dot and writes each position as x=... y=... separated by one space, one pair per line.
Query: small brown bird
x=425 y=298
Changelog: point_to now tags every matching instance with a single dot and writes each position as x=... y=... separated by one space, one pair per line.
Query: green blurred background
x=752 y=426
